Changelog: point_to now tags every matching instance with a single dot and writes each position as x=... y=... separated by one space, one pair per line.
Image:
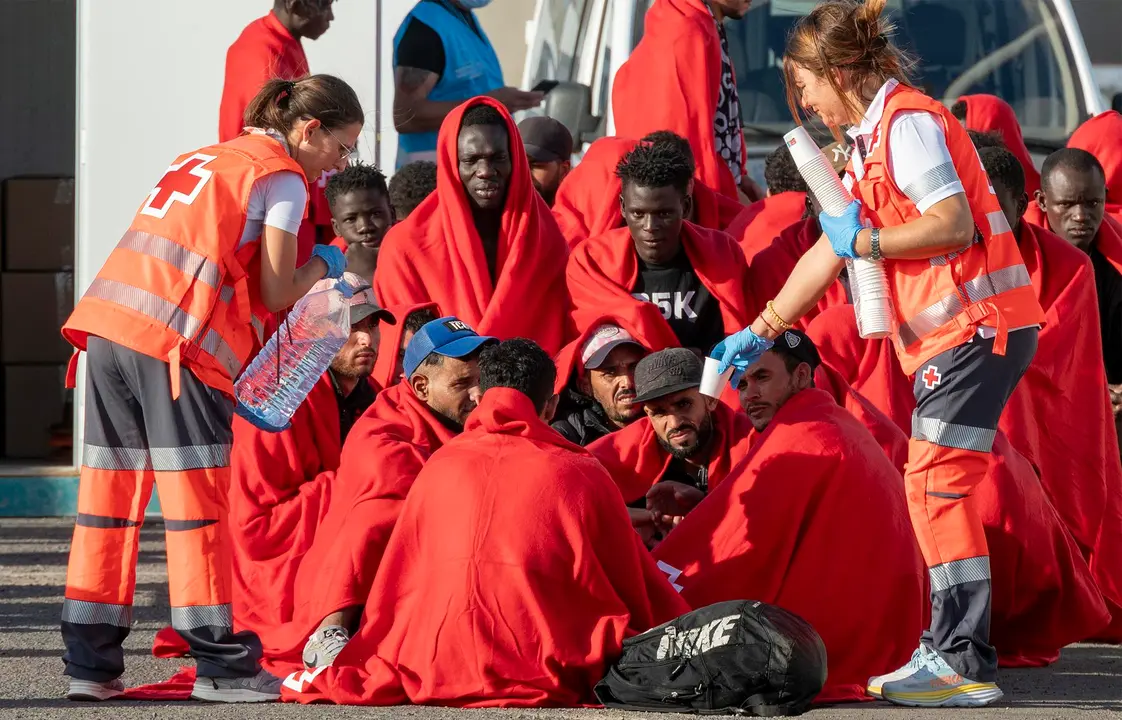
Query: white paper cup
x=712 y=382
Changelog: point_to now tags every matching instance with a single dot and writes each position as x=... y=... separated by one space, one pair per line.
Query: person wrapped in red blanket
x=813 y=520
x=379 y=462
x=588 y=204
x=484 y=246
x=675 y=282
x=679 y=78
x=1102 y=137
x=991 y=114
x=772 y=264
x=686 y=441
x=270 y=48
x=513 y=575
x=361 y=215
x=281 y=482
x=389 y=368
x=1060 y=415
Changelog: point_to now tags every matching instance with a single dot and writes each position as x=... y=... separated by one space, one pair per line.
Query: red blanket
x=772 y=265
x=762 y=221
x=587 y=203
x=671 y=81
x=383 y=454
x=387 y=368
x=435 y=255
x=603 y=270
x=814 y=505
x=636 y=461
x=1102 y=137
x=888 y=435
x=989 y=113
x=511 y=580
x=869 y=366
x=1044 y=596
x=1059 y=416
x=568 y=360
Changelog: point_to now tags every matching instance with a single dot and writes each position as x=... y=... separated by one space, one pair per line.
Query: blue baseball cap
x=448 y=336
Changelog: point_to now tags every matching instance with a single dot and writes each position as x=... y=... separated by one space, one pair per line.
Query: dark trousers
x=960 y=395
x=136 y=436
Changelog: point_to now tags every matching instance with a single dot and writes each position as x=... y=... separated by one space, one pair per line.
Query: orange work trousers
x=137 y=437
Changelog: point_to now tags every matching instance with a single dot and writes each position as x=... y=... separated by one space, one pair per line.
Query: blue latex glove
x=334 y=257
x=740 y=350
x=842 y=229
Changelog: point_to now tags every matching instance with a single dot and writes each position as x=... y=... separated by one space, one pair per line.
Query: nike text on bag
x=738 y=657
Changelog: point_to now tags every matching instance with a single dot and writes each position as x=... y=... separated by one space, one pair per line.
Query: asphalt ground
x=1085 y=683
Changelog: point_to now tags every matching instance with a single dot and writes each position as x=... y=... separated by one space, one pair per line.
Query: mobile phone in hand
x=545 y=86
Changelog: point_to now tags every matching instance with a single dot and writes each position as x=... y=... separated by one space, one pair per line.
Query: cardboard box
x=38 y=224
x=33 y=307
x=37 y=410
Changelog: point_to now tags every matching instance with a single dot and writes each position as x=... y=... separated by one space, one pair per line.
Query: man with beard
x=1073 y=197
x=360 y=216
x=686 y=443
x=484 y=245
x=382 y=456
x=675 y=282
x=815 y=504
x=597 y=378
x=549 y=147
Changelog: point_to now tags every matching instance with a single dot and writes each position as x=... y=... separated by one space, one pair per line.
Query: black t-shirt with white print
x=692 y=312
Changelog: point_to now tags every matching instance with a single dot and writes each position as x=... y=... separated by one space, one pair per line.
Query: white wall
x=149 y=83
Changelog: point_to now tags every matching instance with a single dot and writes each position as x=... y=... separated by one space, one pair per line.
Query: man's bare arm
x=413 y=112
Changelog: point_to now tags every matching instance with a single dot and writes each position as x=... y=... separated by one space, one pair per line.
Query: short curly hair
x=355 y=177
x=656 y=165
x=781 y=173
x=1004 y=168
x=519 y=364
x=410 y=185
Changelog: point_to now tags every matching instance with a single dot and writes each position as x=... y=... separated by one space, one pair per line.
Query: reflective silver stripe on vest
x=197 y=616
x=953 y=435
x=162 y=311
x=226 y=294
x=187 y=261
x=83 y=612
x=223 y=353
x=191 y=457
x=980 y=288
x=958 y=572
x=998 y=224
x=927 y=183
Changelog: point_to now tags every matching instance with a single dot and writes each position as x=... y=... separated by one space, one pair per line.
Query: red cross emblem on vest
x=931 y=377
x=181 y=183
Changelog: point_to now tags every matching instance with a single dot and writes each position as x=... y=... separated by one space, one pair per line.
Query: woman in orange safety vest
x=166 y=325
x=967 y=314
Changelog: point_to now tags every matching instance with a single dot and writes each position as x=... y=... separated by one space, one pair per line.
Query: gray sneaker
x=262 y=687
x=324 y=645
x=89 y=690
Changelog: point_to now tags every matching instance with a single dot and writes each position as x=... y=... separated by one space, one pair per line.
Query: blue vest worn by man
x=470 y=67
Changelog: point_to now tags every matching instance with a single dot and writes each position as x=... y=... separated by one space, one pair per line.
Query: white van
x=1028 y=52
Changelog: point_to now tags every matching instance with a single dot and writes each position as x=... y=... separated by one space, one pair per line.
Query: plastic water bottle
x=299 y=352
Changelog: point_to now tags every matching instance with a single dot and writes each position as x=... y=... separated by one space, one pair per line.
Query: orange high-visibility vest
x=941 y=301
x=180 y=285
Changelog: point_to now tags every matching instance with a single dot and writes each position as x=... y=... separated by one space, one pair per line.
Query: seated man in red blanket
x=360 y=216
x=675 y=282
x=282 y=483
x=484 y=246
x=1102 y=137
x=389 y=368
x=785 y=204
x=596 y=383
x=813 y=520
x=513 y=575
x=686 y=442
x=380 y=460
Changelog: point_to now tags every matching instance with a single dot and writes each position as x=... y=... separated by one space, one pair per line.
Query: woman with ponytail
x=166 y=325
x=967 y=315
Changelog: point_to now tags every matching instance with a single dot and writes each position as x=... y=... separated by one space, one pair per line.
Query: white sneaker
x=877 y=681
x=937 y=684
x=262 y=687
x=94 y=691
x=324 y=646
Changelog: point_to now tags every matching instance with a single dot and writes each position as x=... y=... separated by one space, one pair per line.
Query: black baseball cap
x=666 y=372
x=545 y=139
x=797 y=344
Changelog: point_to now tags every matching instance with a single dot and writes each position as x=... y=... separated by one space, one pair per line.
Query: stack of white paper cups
x=868 y=280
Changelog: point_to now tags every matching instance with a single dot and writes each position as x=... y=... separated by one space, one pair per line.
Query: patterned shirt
x=726 y=123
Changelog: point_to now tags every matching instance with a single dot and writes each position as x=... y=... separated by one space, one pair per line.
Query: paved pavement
x=1086 y=683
